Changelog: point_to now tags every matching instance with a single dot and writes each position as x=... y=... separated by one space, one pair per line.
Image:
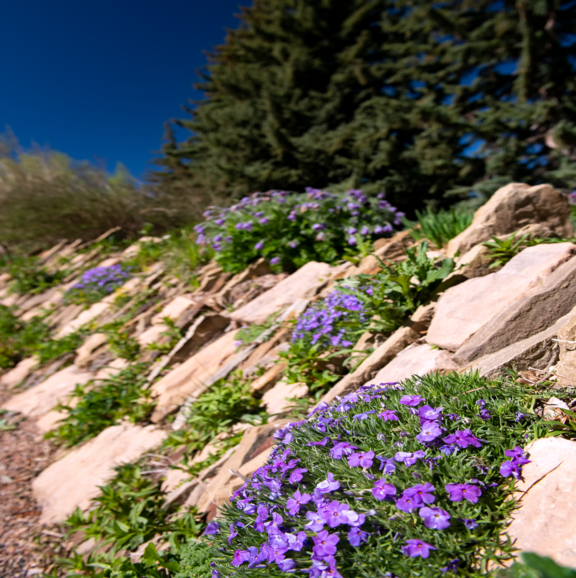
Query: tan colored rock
x=19 y=373
x=463 y=309
x=269 y=378
x=86 y=316
x=302 y=284
x=151 y=335
x=545 y=523
x=415 y=360
x=191 y=377
x=174 y=310
x=511 y=208
x=85 y=351
x=40 y=399
x=74 y=480
x=566 y=344
x=276 y=399
x=527 y=316
x=112 y=368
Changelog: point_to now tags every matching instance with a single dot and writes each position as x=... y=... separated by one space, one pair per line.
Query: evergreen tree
x=416 y=98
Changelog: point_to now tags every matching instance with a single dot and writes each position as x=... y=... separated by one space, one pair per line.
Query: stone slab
x=511 y=208
x=74 y=480
x=174 y=310
x=92 y=343
x=276 y=399
x=545 y=523
x=302 y=284
x=40 y=399
x=87 y=315
x=465 y=308
x=415 y=360
x=19 y=373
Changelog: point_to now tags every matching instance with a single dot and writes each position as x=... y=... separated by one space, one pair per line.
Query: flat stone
x=19 y=373
x=40 y=399
x=269 y=378
x=112 y=368
x=86 y=316
x=566 y=346
x=545 y=523
x=84 y=352
x=174 y=310
x=465 y=308
x=74 y=480
x=276 y=399
x=302 y=284
x=511 y=208
x=539 y=351
x=415 y=360
x=151 y=335
x=527 y=316
x=192 y=376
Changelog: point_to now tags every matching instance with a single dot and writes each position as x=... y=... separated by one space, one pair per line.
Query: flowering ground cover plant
x=291 y=229
x=411 y=479
x=96 y=283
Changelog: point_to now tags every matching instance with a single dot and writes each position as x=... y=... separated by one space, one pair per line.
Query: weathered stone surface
x=112 y=368
x=19 y=373
x=511 y=208
x=84 y=352
x=175 y=309
x=474 y=263
x=539 y=351
x=269 y=378
x=191 y=377
x=276 y=399
x=73 y=481
x=527 y=316
x=464 y=309
x=87 y=315
x=566 y=343
x=303 y=283
x=40 y=399
x=151 y=335
x=415 y=360
x=545 y=523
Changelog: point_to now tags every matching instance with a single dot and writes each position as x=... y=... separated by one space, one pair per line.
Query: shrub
x=29 y=278
x=96 y=283
x=196 y=560
x=439 y=227
x=396 y=480
x=291 y=229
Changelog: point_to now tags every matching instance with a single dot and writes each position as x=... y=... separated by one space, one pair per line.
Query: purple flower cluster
x=102 y=279
x=513 y=467
x=322 y=323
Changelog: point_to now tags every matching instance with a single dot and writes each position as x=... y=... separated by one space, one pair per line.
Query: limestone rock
x=269 y=378
x=527 y=316
x=73 y=481
x=84 y=352
x=511 y=208
x=175 y=309
x=87 y=315
x=545 y=523
x=40 y=399
x=191 y=377
x=464 y=309
x=415 y=360
x=19 y=373
x=566 y=368
x=303 y=283
x=276 y=399
x=151 y=335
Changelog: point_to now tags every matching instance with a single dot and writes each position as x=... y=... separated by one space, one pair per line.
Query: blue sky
x=97 y=80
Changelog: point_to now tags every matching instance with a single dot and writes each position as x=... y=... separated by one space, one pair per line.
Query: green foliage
x=250 y=333
x=535 y=566
x=409 y=97
x=172 y=332
x=130 y=512
x=30 y=278
x=291 y=229
x=104 y=403
x=440 y=226
x=474 y=534
x=224 y=404
x=195 y=562
x=123 y=344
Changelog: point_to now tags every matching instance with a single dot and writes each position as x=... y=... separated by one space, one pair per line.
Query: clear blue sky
x=97 y=79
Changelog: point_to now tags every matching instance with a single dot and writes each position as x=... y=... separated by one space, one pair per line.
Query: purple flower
x=352 y=241
x=408 y=504
x=296 y=541
x=362 y=459
x=240 y=556
x=328 y=485
x=430 y=431
x=352 y=230
x=325 y=544
x=422 y=493
x=520 y=416
x=212 y=528
x=435 y=518
x=286 y=565
x=409 y=459
x=233 y=534
x=357 y=536
x=316 y=522
x=428 y=413
x=263 y=221
x=470 y=523
x=411 y=400
x=387 y=465
x=342 y=449
x=388 y=414
x=382 y=490
x=364 y=415
x=459 y=492
x=320 y=443
x=452 y=566
x=463 y=439
x=354 y=518
x=297 y=500
x=274 y=260
x=364 y=230
x=259 y=246
x=296 y=475
x=333 y=515
x=416 y=548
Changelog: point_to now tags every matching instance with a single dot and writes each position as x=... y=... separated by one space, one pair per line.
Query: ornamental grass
x=410 y=479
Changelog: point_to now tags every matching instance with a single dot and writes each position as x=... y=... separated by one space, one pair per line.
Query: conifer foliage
x=414 y=98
